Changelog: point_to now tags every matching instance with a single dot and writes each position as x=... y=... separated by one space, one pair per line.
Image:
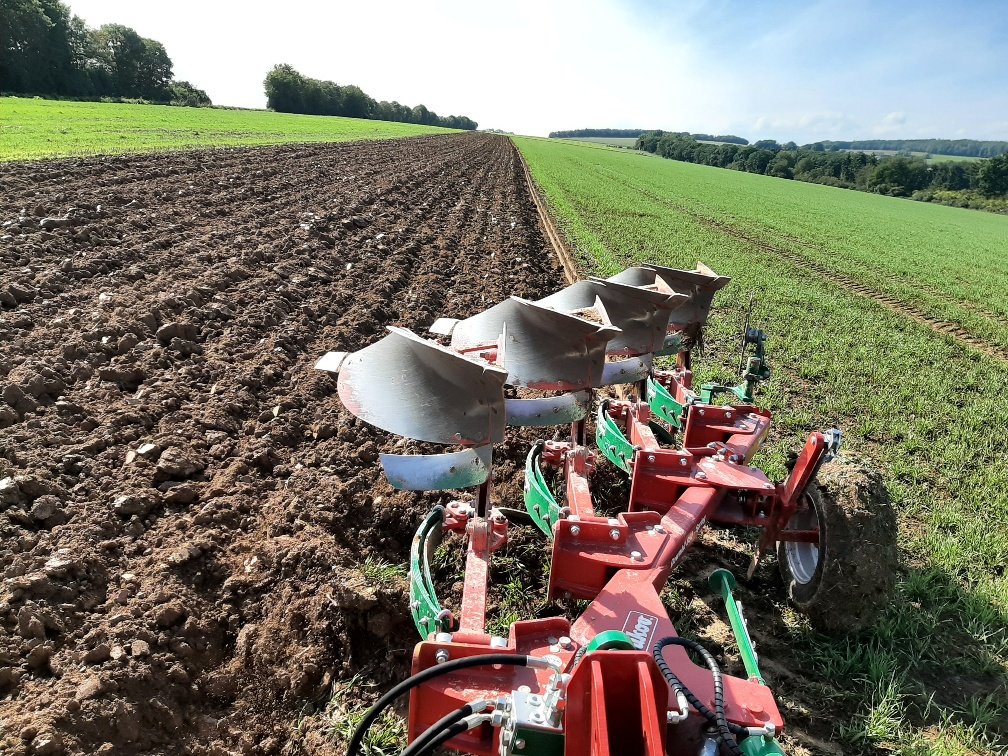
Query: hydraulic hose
x=726 y=730
x=419 y=745
x=456 y=729
x=429 y=674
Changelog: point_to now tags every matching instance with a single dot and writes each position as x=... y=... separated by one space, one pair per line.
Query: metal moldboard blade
x=416 y=388
x=700 y=285
x=438 y=472
x=542 y=348
x=641 y=314
x=629 y=370
x=552 y=410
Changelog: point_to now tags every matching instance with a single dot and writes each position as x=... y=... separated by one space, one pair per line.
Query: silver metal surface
x=553 y=410
x=443 y=326
x=641 y=314
x=540 y=347
x=630 y=370
x=416 y=388
x=699 y=284
x=438 y=472
x=802 y=558
x=331 y=361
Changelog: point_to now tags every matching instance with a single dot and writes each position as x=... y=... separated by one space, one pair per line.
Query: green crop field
x=931 y=677
x=35 y=128
x=609 y=141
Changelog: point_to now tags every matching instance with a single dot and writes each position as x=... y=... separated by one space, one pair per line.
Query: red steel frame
x=621 y=564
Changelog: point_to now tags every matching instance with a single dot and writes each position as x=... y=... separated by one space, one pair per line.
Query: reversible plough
x=617 y=680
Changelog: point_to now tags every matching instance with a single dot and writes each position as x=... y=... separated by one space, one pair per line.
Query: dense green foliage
x=634 y=133
x=44 y=50
x=36 y=128
x=961 y=147
x=898 y=176
x=928 y=678
x=288 y=91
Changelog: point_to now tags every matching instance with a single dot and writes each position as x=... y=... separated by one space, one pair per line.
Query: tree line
x=288 y=91
x=957 y=147
x=982 y=184
x=45 y=50
x=636 y=133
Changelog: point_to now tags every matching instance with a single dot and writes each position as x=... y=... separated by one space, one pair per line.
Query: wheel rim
x=803 y=558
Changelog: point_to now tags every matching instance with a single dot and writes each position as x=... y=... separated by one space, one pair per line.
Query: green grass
x=931 y=677
x=35 y=128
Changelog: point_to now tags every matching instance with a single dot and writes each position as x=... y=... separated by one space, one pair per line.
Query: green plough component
x=663 y=404
x=539 y=501
x=610 y=439
x=424 y=605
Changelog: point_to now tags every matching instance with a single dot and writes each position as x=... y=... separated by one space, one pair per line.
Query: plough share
x=617 y=680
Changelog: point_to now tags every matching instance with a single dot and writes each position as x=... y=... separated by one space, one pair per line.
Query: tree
x=899 y=176
x=992 y=177
x=184 y=93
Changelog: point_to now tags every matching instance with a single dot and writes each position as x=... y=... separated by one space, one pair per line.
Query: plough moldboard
x=616 y=680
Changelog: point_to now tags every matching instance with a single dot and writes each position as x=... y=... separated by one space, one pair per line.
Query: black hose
x=716 y=717
x=419 y=745
x=443 y=737
x=421 y=677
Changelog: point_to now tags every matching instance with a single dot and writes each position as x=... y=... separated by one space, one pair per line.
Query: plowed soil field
x=186 y=512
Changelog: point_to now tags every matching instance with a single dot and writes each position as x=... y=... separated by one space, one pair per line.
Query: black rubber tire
x=858 y=557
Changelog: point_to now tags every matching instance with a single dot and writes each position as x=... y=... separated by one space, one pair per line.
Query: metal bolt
x=442 y=656
x=659 y=529
x=614 y=534
x=701 y=475
x=565 y=642
x=575 y=530
x=728 y=415
x=524 y=689
x=701 y=413
x=636 y=556
x=536 y=717
x=535 y=700
x=650 y=457
x=519 y=745
x=768 y=485
x=683 y=462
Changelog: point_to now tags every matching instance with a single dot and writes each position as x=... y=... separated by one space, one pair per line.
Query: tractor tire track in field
x=953 y=331
x=186 y=511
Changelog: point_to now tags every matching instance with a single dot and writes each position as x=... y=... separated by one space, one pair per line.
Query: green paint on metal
x=538 y=742
x=760 y=745
x=539 y=501
x=723 y=582
x=610 y=439
x=663 y=404
x=610 y=640
x=424 y=604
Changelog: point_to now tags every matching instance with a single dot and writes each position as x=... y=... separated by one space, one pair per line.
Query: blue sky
x=786 y=70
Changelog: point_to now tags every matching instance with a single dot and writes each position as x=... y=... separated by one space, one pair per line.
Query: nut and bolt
x=636 y=556
x=566 y=642
x=701 y=475
x=650 y=457
x=519 y=745
x=442 y=656
x=575 y=530
x=614 y=534
x=683 y=462
x=659 y=529
x=535 y=700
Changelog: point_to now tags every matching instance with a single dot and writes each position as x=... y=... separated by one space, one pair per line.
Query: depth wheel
x=842 y=582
